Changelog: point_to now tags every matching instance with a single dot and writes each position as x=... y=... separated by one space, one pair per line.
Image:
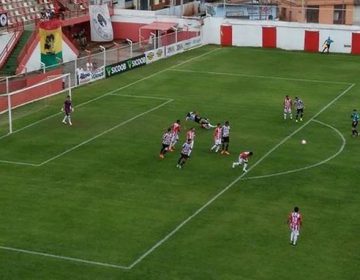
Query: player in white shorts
x=287 y=107
x=217 y=138
x=294 y=222
x=243 y=160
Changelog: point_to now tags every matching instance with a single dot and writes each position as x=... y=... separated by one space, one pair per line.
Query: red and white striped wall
x=288 y=36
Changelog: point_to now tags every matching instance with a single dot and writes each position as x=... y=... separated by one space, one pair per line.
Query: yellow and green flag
x=50 y=42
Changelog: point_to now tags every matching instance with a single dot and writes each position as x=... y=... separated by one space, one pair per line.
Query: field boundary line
x=140 y=96
x=226 y=188
x=259 y=76
x=19 y=163
x=113 y=91
x=308 y=166
x=62 y=257
x=106 y=131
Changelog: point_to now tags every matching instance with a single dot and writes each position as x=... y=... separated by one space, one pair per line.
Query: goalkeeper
x=67 y=109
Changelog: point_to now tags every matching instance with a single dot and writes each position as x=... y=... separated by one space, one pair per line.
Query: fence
x=92 y=66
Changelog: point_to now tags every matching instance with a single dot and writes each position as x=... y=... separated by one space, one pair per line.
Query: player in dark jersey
x=202 y=121
x=185 y=153
x=354 y=122
x=67 y=109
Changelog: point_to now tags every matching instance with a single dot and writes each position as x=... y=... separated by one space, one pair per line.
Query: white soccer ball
x=303 y=141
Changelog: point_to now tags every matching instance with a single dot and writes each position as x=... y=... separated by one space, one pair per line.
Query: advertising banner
x=126 y=65
x=86 y=76
x=50 y=42
x=174 y=48
x=155 y=55
x=100 y=23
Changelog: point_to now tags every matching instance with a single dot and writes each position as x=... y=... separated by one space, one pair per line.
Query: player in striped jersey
x=354 y=122
x=217 y=138
x=185 y=153
x=190 y=134
x=175 y=129
x=294 y=222
x=287 y=107
x=299 y=105
x=225 y=138
x=166 y=141
x=243 y=160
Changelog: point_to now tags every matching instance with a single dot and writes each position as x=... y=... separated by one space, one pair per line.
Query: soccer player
x=294 y=222
x=217 y=138
x=287 y=107
x=166 y=141
x=185 y=153
x=327 y=45
x=190 y=134
x=175 y=129
x=243 y=160
x=67 y=109
x=225 y=138
x=203 y=122
x=355 y=120
x=299 y=105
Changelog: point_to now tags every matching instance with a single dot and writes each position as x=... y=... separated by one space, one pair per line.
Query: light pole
x=104 y=52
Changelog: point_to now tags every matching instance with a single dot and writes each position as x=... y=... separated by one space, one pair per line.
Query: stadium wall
x=283 y=35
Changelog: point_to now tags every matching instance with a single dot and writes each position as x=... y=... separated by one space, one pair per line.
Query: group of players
x=299 y=106
x=221 y=140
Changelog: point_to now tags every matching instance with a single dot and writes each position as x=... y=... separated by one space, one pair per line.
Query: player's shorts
x=218 y=141
x=165 y=146
x=243 y=160
x=225 y=139
x=296 y=232
x=300 y=110
x=184 y=156
x=354 y=124
x=67 y=113
x=174 y=138
x=287 y=110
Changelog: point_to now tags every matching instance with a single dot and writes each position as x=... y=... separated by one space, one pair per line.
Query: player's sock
x=69 y=120
x=217 y=148
x=284 y=116
x=64 y=120
x=291 y=237
x=295 y=239
x=236 y=163
x=244 y=168
x=213 y=147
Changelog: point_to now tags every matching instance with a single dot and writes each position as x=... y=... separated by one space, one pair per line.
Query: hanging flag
x=50 y=42
x=100 y=23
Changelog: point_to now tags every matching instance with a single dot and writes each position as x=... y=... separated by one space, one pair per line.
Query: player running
x=185 y=153
x=299 y=105
x=287 y=107
x=175 y=129
x=225 y=138
x=166 y=141
x=243 y=160
x=217 y=138
x=294 y=222
x=355 y=120
x=67 y=109
x=190 y=134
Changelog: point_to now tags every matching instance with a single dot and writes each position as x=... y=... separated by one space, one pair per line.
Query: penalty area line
x=62 y=257
x=236 y=180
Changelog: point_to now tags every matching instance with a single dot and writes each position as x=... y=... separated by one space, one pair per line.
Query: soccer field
x=95 y=201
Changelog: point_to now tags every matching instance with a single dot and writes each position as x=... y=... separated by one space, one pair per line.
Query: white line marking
x=139 y=96
x=258 y=76
x=113 y=91
x=105 y=132
x=309 y=166
x=62 y=257
x=159 y=243
x=19 y=163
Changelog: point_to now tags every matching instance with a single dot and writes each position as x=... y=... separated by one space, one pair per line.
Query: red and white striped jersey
x=287 y=103
x=295 y=220
x=175 y=128
x=244 y=155
x=217 y=133
x=190 y=134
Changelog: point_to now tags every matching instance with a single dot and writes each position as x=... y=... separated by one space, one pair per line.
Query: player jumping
x=243 y=160
x=294 y=222
x=203 y=122
x=67 y=109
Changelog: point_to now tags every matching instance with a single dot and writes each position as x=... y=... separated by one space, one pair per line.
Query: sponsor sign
x=86 y=76
x=155 y=55
x=126 y=65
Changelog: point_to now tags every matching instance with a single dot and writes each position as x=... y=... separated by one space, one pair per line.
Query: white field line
x=198 y=211
x=259 y=76
x=19 y=163
x=309 y=166
x=62 y=257
x=115 y=90
x=106 y=131
x=140 y=96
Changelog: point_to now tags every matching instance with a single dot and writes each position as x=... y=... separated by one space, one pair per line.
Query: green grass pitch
x=94 y=201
